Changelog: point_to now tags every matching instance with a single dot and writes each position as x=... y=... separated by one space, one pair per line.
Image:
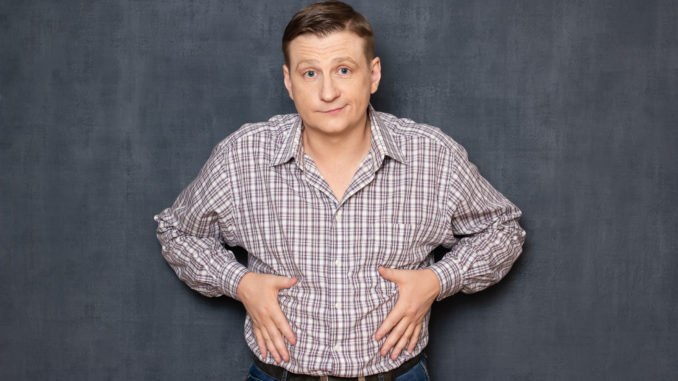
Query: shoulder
x=410 y=134
x=259 y=136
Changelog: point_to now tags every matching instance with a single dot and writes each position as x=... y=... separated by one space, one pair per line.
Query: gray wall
x=108 y=110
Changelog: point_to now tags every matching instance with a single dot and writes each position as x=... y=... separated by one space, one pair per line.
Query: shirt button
x=337 y=262
x=338 y=217
x=337 y=347
x=337 y=305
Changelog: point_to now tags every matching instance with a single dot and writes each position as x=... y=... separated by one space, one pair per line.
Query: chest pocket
x=392 y=244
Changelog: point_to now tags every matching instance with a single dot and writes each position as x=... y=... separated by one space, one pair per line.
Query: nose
x=329 y=91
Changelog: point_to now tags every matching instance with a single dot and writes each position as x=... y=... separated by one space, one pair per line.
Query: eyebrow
x=338 y=59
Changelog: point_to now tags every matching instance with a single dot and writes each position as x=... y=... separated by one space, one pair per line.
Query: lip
x=334 y=111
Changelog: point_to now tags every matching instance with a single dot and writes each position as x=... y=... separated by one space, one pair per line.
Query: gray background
x=108 y=110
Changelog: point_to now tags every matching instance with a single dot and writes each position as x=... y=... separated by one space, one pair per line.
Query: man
x=339 y=207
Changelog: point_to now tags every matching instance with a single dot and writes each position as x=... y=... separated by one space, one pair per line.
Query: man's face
x=330 y=81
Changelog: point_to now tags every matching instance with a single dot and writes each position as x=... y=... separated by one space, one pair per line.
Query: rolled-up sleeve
x=485 y=224
x=192 y=231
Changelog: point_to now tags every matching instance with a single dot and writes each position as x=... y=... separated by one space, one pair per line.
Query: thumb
x=284 y=282
x=388 y=274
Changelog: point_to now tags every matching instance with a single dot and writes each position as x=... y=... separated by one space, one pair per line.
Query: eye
x=344 y=70
x=309 y=74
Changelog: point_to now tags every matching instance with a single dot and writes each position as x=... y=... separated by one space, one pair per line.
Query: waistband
x=279 y=372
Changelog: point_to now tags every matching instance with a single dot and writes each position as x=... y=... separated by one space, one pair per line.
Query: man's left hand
x=417 y=289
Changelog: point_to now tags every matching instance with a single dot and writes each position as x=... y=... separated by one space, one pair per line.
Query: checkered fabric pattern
x=415 y=190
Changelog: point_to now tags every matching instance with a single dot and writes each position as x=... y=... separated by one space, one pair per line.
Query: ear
x=287 y=80
x=375 y=74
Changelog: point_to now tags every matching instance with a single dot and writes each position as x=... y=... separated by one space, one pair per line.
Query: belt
x=278 y=372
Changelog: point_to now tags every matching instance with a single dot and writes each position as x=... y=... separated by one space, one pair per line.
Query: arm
x=192 y=233
x=490 y=242
x=486 y=223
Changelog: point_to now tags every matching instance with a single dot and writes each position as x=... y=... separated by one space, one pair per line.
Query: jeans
x=418 y=372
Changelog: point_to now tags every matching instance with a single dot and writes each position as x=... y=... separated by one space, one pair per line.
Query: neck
x=342 y=148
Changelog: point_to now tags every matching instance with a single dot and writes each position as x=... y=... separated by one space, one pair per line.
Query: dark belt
x=278 y=372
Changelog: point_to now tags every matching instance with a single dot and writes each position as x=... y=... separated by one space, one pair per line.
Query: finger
x=270 y=346
x=284 y=326
x=415 y=338
x=260 y=342
x=268 y=343
x=281 y=282
x=278 y=342
x=404 y=339
x=391 y=320
x=388 y=274
x=394 y=336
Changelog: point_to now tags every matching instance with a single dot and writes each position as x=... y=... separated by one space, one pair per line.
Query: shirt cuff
x=231 y=277
x=449 y=275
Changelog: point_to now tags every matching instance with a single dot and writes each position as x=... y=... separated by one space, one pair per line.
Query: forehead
x=326 y=48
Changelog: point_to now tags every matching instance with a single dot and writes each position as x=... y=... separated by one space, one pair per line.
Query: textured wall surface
x=108 y=109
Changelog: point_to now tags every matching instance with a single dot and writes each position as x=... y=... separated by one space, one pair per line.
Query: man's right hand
x=259 y=295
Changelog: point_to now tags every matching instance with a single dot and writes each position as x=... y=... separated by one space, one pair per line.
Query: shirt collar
x=382 y=142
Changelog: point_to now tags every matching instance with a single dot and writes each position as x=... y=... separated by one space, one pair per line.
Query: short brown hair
x=324 y=18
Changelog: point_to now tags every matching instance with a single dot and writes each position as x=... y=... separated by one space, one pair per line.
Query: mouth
x=333 y=111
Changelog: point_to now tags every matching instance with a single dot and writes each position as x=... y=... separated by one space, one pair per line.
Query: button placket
x=337 y=275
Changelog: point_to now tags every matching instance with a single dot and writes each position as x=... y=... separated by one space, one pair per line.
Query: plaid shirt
x=415 y=190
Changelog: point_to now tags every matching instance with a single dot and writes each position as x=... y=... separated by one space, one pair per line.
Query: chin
x=330 y=129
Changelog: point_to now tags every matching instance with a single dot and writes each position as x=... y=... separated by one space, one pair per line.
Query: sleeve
x=486 y=226
x=191 y=232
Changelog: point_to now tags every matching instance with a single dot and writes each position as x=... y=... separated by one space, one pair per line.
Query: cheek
x=304 y=105
x=300 y=95
x=304 y=90
x=361 y=94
